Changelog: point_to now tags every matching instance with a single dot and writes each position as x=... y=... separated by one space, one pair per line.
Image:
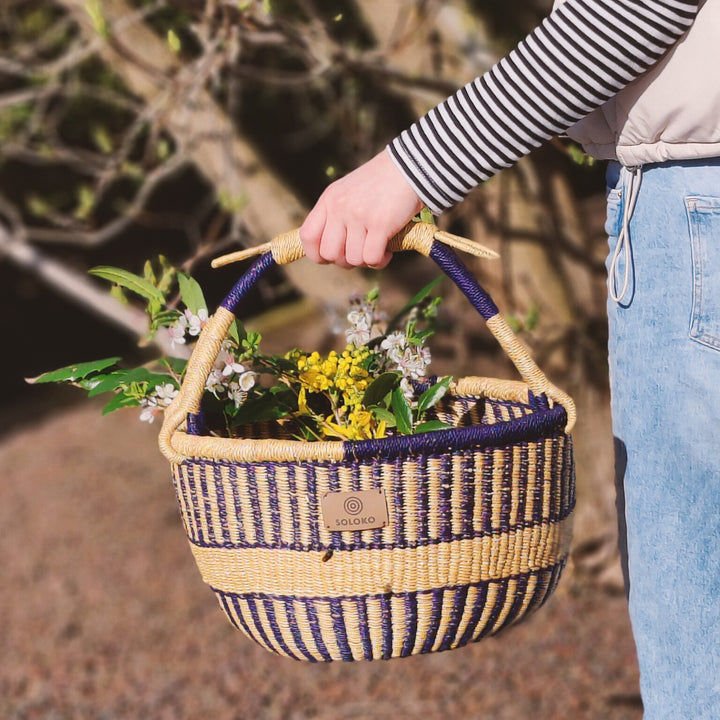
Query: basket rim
x=544 y=421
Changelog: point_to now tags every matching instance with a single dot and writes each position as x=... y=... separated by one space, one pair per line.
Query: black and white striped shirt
x=576 y=60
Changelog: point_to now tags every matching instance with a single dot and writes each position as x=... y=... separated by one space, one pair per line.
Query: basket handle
x=419 y=236
x=422 y=237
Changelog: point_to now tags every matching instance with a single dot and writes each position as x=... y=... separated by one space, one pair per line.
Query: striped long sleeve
x=578 y=58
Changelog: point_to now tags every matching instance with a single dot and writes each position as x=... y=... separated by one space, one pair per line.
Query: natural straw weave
x=480 y=515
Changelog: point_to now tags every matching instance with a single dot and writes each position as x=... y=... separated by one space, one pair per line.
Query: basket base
x=389 y=625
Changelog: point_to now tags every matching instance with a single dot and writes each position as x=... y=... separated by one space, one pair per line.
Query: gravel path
x=103 y=614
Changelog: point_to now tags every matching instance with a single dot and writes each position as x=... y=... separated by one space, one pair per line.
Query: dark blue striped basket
x=462 y=531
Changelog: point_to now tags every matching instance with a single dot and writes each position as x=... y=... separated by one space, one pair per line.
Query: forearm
x=577 y=59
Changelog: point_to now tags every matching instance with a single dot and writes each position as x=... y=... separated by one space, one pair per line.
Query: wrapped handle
x=286 y=248
x=419 y=236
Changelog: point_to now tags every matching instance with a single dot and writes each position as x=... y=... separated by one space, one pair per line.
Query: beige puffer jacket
x=672 y=112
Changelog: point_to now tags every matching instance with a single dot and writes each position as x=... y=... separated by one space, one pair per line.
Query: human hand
x=355 y=217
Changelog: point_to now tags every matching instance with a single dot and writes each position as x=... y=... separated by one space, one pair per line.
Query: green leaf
x=123 y=378
x=402 y=411
x=174 y=41
x=38 y=206
x=177 y=365
x=262 y=408
x=85 y=202
x=280 y=365
x=532 y=318
x=433 y=394
x=132 y=169
x=427 y=216
x=232 y=203
x=191 y=293
x=282 y=393
x=129 y=280
x=418 y=338
x=72 y=373
x=149 y=273
x=167 y=275
x=383 y=415
x=143 y=375
x=165 y=318
x=252 y=339
x=379 y=388
x=115 y=380
x=121 y=401
x=431 y=425
x=162 y=149
x=236 y=331
x=513 y=322
x=104 y=383
x=101 y=138
x=422 y=294
x=578 y=156
x=119 y=294
x=92 y=384
x=94 y=10
x=415 y=300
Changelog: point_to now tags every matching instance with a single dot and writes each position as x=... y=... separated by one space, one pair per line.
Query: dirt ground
x=103 y=614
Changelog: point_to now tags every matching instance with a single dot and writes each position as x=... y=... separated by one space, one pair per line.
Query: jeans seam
x=696 y=332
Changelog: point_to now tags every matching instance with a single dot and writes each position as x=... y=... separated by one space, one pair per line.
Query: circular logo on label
x=353 y=506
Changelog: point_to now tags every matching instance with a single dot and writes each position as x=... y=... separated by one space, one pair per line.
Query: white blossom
x=153 y=404
x=215 y=382
x=195 y=323
x=177 y=331
x=407 y=390
x=149 y=409
x=360 y=317
x=394 y=345
x=236 y=394
x=247 y=380
x=165 y=394
x=357 y=336
x=364 y=320
x=414 y=361
x=232 y=368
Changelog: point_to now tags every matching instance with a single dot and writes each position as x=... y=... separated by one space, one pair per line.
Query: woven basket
x=478 y=517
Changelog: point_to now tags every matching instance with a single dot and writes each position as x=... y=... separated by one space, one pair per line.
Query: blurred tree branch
x=104 y=105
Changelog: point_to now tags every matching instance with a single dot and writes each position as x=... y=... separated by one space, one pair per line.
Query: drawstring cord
x=623 y=241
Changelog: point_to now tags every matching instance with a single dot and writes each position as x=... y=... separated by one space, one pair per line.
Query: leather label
x=357 y=510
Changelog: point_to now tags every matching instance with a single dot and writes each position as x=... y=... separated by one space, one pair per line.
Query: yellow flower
x=302 y=402
x=343 y=379
x=315 y=381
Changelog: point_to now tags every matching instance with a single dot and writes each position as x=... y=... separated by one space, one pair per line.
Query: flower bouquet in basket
x=374 y=387
x=346 y=506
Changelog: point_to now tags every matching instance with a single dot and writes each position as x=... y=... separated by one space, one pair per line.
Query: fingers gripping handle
x=419 y=236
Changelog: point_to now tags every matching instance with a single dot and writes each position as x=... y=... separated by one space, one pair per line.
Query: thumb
x=311 y=231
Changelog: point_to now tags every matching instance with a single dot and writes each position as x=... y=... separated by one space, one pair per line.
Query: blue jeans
x=664 y=346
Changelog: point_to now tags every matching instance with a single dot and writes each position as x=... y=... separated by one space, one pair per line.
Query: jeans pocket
x=613 y=218
x=704 y=219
